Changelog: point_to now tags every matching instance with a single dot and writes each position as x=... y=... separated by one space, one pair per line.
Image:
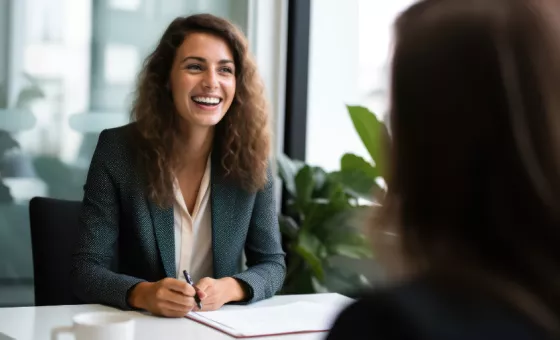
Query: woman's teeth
x=207 y=100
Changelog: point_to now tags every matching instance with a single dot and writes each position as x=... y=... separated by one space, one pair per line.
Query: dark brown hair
x=474 y=183
x=242 y=140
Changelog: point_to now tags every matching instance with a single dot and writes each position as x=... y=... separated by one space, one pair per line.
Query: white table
x=35 y=323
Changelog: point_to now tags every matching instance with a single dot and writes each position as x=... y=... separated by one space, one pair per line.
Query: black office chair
x=54 y=231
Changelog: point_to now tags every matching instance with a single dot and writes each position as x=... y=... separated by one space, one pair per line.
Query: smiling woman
x=187 y=186
x=202 y=80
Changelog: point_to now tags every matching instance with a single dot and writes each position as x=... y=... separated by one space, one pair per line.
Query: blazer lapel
x=162 y=220
x=222 y=198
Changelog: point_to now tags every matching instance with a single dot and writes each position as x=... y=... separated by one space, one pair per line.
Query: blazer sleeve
x=93 y=281
x=263 y=248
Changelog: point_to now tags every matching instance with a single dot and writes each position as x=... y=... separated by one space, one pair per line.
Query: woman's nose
x=210 y=80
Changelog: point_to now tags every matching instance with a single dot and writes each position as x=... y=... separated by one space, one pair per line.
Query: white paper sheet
x=300 y=316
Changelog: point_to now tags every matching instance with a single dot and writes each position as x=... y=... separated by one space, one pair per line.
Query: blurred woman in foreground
x=474 y=182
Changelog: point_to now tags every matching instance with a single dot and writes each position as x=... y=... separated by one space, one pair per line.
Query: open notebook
x=292 y=318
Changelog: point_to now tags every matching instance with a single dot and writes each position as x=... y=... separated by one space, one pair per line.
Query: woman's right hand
x=168 y=297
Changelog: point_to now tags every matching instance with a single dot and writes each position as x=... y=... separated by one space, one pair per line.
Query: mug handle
x=60 y=330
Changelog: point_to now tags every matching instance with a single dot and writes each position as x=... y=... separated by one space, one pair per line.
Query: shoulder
x=372 y=315
x=118 y=142
x=118 y=151
x=417 y=310
x=119 y=136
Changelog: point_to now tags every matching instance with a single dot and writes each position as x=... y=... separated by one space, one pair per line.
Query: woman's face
x=202 y=79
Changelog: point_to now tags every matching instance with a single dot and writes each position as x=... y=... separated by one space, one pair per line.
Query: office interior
x=68 y=69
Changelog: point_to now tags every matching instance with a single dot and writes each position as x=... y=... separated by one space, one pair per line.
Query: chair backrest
x=54 y=232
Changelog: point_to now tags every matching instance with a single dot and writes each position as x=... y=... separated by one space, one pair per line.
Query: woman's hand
x=168 y=297
x=215 y=293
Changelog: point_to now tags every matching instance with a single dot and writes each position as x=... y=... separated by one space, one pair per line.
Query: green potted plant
x=318 y=226
x=322 y=221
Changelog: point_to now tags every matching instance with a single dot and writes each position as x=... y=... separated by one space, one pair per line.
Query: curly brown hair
x=242 y=138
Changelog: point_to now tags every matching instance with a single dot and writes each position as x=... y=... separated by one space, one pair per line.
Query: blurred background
x=68 y=68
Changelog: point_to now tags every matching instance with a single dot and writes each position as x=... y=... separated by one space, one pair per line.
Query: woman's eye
x=226 y=69
x=194 y=67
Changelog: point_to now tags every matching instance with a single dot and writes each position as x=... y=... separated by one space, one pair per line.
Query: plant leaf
x=309 y=247
x=357 y=183
x=358 y=251
x=372 y=132
x=288 y=226
x=318 y=287
x=350 y=162
x=345 y=281
x=287 y=170
x=344 y=234
x=327 y=229
x=338 y=200
x=320 y=180
x=304 y=184
x=302 y=283
x=329 y=186
x=347 y=220
x=319 y=210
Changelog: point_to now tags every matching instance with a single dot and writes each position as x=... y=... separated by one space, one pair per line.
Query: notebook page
x=293 y=317
x=200 y=317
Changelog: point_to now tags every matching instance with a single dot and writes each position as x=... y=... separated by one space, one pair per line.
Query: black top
x=417 y=310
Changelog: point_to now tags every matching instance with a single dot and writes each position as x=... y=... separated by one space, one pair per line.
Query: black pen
x=190 y=281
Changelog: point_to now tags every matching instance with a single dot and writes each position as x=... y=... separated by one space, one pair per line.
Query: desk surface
x=35 y=323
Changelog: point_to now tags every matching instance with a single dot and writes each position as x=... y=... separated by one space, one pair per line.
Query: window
x=349 y=51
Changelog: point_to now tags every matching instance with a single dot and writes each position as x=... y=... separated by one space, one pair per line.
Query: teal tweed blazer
x=125 y=238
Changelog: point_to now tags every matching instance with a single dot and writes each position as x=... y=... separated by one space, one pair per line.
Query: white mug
x=99 y=326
